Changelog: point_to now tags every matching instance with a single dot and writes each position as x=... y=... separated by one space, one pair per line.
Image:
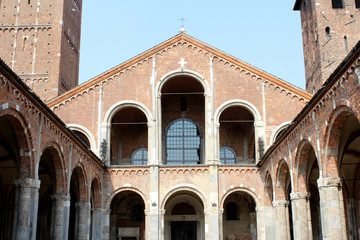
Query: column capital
x=27 y=183
x=299 y=195
x=280 y=203
x=86 y=205
x=259 y=209
x=329 y=182
x=64 y=197
x=106 y=211
x=97 y=210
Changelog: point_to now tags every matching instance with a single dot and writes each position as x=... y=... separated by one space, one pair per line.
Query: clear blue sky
x=263 y=33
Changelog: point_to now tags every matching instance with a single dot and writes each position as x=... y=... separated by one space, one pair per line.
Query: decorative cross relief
x=182 y=62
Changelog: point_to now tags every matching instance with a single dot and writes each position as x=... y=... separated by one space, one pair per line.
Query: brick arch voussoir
x=280 y=181
x=301 y=160
x=83 y=189
x=59 y=165
x=24 y=138
x=334 y=129
x=246 y=190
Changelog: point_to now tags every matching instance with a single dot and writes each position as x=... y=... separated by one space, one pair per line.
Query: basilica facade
x=183 y=141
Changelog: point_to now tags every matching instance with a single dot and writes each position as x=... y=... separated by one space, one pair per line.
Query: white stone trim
x=278 y=129
x=86 y=132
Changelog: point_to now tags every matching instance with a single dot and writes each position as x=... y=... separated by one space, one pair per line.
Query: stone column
x=301 y=215
x=260 y=223
x=105 y=222
x=25 y=217
x=281 y=217
x=57 y=216
x=332 y=208
x=83 y=220
x=96 y=223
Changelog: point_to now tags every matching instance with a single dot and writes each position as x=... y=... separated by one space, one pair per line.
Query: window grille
x=183 y=141
x=139 y=157
x=227 y=155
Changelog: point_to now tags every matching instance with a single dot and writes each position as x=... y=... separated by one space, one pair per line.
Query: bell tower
x=330 y=29
x=40 y=41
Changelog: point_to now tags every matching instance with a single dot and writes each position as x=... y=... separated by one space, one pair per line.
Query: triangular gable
x=181 y=38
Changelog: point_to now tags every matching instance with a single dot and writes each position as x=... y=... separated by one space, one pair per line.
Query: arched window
x=83 y=138
x=183 y=141
x=139 y=157
x=227 y=155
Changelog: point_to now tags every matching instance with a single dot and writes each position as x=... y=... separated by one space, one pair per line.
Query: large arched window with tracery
x=183 y=142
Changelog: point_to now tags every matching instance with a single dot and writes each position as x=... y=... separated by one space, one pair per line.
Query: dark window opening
x=183 y=141
x=183 y=209
x=232 y=211
x=139 y=157
x=346 y=43
x=327 y=31
x=227 y=155
x=357 y=3
x=83 y=138
x=337 y=4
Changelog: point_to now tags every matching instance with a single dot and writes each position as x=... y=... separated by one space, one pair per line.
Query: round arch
x=59 y=165
x=278 y=129
x=239 y=189
x=332 y=139
x=238 y=103
x=81 y=173
x=280 y=180
x=124 y=104
x=15 y=117
x=86 y=132
x=269 y=189
x=184 y=188
x=123 y=189
x=189 y=73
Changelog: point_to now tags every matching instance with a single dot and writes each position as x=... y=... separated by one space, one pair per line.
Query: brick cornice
x=266 y=77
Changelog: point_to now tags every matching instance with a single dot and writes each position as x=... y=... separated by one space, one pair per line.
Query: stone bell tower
x=40 y=41
x=330 y=29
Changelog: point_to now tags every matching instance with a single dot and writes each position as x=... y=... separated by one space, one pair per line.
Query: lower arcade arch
x=239 y=216
x=184 y=217
x=127 y=217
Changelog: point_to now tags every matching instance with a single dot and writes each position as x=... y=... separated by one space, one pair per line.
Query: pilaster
x=332 y=208
x=96 y=223
x=260 y=223
x=105 y=222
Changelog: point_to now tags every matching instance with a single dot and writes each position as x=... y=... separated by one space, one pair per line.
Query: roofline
x=19 y=84
x=344 y=65
x=297 y=5
x=170 y=41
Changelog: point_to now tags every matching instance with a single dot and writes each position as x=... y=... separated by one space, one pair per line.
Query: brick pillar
x=57 y=216
x=105 y=222
x=332 y=208
x=96 y=223
x=301 y=215
x=281 y=217
x=83 y=220
x=26 y=208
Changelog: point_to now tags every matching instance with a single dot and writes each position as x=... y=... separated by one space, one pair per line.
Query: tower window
x=327 y=31
x=346 y=43
x=337 y=4
x=357 y=3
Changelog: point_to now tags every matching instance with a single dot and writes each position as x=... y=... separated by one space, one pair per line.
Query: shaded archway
x=127 y=218
x=237 y=132
x=95 y=209
x=184 y=216
x=182 y=98
x=129 y=132
x=239 y=216
x=9 y=172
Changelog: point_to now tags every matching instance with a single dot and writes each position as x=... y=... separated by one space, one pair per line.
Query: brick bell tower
x=330 y=29
x=40 y=41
